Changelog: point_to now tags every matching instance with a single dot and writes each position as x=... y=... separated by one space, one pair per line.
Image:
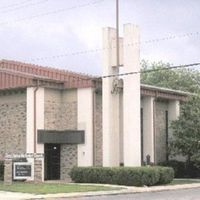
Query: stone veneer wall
x=12 y=122
x=61 y=114
x=160 y=131
x=68 y=160
x=60 y=109
x=38 y=171
x=98 y=131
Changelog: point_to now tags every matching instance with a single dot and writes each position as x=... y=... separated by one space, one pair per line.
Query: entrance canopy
x=61 y=137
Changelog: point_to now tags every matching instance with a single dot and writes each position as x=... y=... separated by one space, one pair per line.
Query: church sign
x=22 y=170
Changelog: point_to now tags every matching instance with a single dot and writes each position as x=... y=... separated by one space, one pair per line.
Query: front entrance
x=52 y=161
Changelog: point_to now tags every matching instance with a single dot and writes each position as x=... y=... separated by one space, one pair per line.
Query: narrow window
x=167 y=134
x=141 y=121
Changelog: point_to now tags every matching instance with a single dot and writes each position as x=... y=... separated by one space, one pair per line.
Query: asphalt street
x=186 y=194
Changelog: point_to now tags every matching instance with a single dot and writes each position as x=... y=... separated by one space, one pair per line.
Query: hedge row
x=130 y=176
x=183 y=169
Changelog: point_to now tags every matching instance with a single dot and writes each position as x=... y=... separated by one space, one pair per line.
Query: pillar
x=38 y=170
x=111 y=152
x=85 y=122
x=131 y=99
x=8 y=171
x=173 y=113
x=148 y=127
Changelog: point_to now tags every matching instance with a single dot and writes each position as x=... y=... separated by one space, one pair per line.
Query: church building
x=58 y=119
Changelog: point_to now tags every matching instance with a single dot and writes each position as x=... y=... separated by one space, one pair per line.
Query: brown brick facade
x=13 y=123
x=8 y=172
x=38 y=171
x=60 y=109
x=60 y=113
x=160 y=130
x=68 y=160
x=98 y=131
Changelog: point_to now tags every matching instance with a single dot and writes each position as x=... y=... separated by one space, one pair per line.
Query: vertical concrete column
x=121 y=135
x=38 y=170
x=85 y=122
x=30 y=122
x=30 y=118
x=111 y=152
x=132 y=131
x=8 y=171
x=173 y=113
x=174 y=110
x=40 y=117
x=148 y=127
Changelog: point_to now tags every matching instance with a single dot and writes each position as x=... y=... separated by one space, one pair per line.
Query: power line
x=53 y=12
x=14 y=5
x=23 y=6
x=68 y=54
x=172 y=37
x=143 y=71
x=150 y=70
x=138 y=72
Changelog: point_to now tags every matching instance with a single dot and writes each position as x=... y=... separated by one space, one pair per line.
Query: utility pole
x=117 y=34
x=116 y=67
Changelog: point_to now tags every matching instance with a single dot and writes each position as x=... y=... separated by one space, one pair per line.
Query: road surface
x=186 y=194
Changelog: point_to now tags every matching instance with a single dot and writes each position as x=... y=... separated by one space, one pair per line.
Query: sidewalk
x=125 y=190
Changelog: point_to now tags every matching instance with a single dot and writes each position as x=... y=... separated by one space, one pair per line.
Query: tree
x=186 y=131
x=185 y=79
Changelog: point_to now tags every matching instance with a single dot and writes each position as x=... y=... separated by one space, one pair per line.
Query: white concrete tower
x=130 y=147
x=110 y=101
x=131 y=93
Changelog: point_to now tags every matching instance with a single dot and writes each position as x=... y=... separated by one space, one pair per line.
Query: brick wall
x=60 y=109
x=60 y=113
x=98 y=131
x=160 y=131
x=68 y=160
x=13 y=122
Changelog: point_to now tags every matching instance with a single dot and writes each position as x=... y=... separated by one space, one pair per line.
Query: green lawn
x=51 y=188
x=184 y=181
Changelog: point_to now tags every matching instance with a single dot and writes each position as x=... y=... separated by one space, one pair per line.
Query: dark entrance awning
x=61 y=137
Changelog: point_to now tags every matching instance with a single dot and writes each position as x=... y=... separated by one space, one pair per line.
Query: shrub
x=92 y=175
x=182 y=169
x=130 y=176
x=166 y=175
x=179 y=167
x=137 y=176
x=1 y=170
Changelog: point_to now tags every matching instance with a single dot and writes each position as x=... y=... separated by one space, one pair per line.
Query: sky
x=64 y=33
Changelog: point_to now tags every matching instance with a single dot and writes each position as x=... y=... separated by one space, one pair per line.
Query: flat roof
x=163 y=89
x=16 y=75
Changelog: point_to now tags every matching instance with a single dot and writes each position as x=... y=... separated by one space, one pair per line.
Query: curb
x=126 y=190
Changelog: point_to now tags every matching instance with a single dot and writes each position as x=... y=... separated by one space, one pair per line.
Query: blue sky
x=35 y=29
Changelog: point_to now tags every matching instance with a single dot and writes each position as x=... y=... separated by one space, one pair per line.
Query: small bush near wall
x=166 y=175
x=182 y=169
x=1 y=170
x=130 y=176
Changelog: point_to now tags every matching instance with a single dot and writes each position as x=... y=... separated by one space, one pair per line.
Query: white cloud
x=81 y=29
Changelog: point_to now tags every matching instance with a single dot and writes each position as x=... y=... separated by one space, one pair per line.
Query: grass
x=52 y=188
x=184 y=181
